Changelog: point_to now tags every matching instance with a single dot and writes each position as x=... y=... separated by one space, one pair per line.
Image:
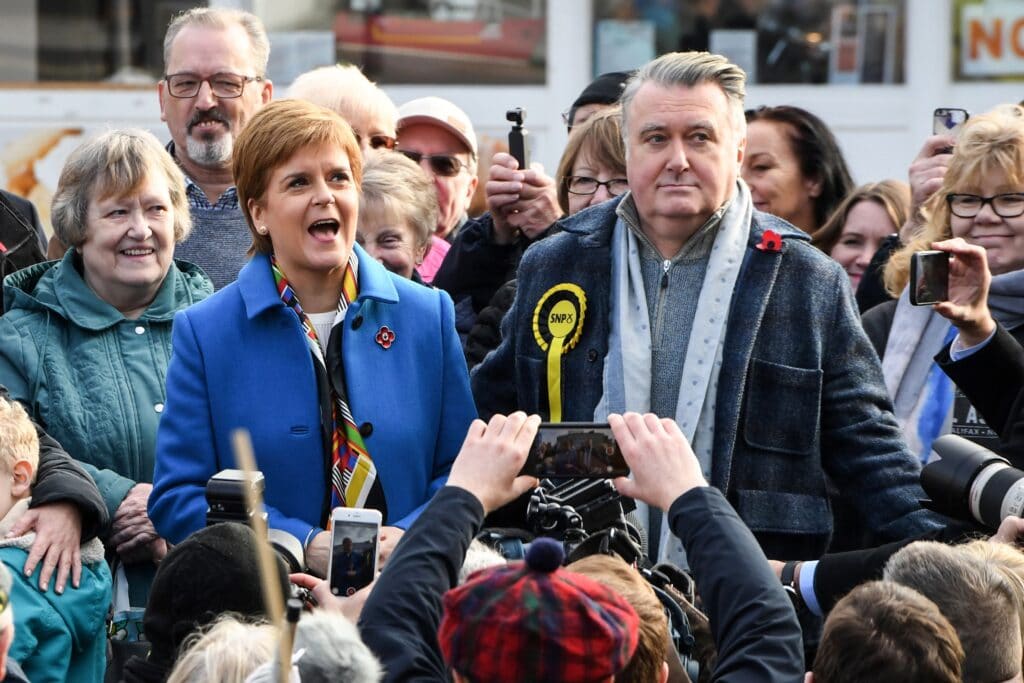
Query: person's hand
x=925 y=175
x=318 y=553
x=777 y=567
x=1011 y=532
x=389 y=537
x=967 y=303
x=58 y=528
x=492 y=457
x=132 y=533
x=350 y=606
x=659 y=457
x=520 y=201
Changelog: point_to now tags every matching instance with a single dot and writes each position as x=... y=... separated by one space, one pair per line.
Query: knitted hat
x=215 y=570
x=534 y=621
x=438 y=112
x=605 y=89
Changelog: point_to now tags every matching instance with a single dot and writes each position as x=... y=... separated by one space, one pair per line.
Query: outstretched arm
x=754 y=625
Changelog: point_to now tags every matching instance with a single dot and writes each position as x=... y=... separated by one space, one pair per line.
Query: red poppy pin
x=770 y=241
x=385 y=337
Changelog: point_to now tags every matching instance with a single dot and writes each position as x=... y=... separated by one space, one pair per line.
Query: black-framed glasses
x=447 y=165
x=224 y=85
x=378 y=141
x=1008 y=205
x=581 y=184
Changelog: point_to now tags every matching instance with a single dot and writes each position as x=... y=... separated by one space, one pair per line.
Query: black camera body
x=226 y=496
x=227 y=502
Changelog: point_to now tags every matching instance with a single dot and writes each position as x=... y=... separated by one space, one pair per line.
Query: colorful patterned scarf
x=353 y=474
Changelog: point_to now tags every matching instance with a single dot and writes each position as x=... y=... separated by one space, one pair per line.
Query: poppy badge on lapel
x=385 y=337
x=770 y=241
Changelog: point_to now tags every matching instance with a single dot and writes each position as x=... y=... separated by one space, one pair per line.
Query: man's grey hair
x=690 y=69
x=333 y=651
x=220 y=18
x=974 y=596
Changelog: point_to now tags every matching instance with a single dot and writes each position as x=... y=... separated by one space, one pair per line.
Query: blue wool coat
x=242 y=360
x=800 y=397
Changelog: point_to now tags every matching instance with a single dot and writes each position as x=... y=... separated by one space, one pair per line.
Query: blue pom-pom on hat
x=545 y=555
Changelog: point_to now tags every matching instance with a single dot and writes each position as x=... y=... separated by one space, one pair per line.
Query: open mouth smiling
x=325 y=229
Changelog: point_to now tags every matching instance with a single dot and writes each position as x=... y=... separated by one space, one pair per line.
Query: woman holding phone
x=349 y=378
x=982 y=201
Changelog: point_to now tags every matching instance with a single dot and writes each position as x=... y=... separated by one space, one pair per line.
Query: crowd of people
x=706 y=280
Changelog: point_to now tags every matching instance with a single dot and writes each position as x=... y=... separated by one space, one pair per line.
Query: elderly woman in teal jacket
x=85 y=341
x=350 y=379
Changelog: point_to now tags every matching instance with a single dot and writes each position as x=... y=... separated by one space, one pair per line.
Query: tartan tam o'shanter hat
x=534 y=621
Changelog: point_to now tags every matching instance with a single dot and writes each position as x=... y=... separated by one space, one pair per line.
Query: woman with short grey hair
x=85 y=341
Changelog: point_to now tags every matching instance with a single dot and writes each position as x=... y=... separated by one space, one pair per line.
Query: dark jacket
x=754 y=626
x=485 y=335
x=475 y=266
x=987 y=380
x=60 y=480
x=993 y=381
x=800 y=393
x=21 y=234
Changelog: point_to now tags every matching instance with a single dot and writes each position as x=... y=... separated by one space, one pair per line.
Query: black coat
x=755 y=629
x=21 y=233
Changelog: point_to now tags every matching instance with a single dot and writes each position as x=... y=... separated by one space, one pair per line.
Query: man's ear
x=23 y=472
x=161 y=93
x=472 y=188
x=267 y=91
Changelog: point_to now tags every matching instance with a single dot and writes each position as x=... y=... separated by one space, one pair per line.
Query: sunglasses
x=378 y=141
x=440 y=164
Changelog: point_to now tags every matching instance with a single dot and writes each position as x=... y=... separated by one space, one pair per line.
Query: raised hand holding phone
x=355 y=534
x=967 y=299
x=660 y=458
x=492 y=457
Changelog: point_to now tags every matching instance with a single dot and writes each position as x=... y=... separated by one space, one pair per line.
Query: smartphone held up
x=929 y=277
x=575 y=450
x=355 y=536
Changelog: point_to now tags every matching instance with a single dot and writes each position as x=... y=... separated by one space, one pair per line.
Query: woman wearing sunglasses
x=982 y=201
x=333 y=364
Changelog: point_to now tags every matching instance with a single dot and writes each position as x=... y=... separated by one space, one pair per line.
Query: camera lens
x=971 y=482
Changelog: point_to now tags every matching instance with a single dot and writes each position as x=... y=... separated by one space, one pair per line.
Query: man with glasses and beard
x=215 y=63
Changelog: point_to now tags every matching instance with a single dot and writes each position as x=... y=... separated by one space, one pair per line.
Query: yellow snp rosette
x=557 y=327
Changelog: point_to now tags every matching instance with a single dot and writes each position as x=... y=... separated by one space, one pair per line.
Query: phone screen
x=353 y=555
x=948 y=121
x=929 y=277
x=575 y=450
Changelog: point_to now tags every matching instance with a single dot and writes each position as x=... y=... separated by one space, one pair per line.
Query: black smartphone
x=948 y=121
x=517 y=136
x=575 y=450
x=929 y=277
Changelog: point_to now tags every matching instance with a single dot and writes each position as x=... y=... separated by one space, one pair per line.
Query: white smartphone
x=355 y=534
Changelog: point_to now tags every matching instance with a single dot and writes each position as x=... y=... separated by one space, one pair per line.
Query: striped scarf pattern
x=353 y=474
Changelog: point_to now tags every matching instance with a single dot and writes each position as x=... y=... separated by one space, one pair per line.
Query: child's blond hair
x=18 y=438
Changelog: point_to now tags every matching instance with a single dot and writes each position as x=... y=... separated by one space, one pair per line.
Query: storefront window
x=485 y=42
x=113 y=41
x=775 y=41
x=988 y=40
x=478 y=42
